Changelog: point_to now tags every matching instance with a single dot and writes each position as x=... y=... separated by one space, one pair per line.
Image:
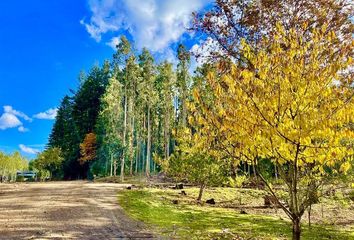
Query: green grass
x=191 y=221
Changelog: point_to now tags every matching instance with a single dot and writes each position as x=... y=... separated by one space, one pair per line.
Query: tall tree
x=165 y=83
x=132 y=74
x=64 y=135
x=112 y=117
x=122 y=57
x=292 y=106
x=148 y=94
x=183 y=83
x=87 y=99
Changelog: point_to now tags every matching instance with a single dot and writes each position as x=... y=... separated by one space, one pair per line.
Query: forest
x=269 y=107
x=122 y=118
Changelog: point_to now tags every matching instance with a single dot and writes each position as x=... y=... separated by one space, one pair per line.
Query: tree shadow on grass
x=197 y=222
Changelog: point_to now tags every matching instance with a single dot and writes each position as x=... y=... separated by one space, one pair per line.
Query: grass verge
x=188 y=221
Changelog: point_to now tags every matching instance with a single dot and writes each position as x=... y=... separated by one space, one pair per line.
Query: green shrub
x=351 y=194
x=20 y=179
x=237 y=182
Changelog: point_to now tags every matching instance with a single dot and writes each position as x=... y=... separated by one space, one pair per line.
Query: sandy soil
x=65 y=210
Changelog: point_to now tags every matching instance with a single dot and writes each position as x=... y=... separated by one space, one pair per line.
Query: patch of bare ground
x=65 y=210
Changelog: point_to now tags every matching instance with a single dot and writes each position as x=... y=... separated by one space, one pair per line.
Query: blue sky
x=45 y=44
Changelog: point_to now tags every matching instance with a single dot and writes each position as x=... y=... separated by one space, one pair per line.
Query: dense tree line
x=122 y=118
x=77 y=116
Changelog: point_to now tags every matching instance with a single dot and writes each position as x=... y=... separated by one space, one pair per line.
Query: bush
x=20 y=179
x=351 y=195
x=236 y=182
x=31 y=180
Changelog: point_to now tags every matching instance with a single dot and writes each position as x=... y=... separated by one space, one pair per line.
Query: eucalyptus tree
x=112 y=117
x=165 y=83
x=121 y=58
x=183 y=83
x=132 y=74
x=149 y=97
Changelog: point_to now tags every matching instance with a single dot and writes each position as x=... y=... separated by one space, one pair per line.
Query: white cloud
x=28 y=150
x=154 y=24
x=22 y=129
x=50 y=114
x=113 y=43
x=10 y=119
x=9 y=109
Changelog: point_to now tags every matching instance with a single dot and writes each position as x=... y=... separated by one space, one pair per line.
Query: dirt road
x=65 y=210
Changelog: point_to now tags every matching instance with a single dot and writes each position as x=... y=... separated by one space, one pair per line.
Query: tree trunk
x=309 y=215
x=131 y=150
x=124 y=137
x=322 y=212
x=201 y=190
x=115 y=168
x=143 y=150
x=184 y=108
x=148 y=150
x=137 y=153
x=254 y=168
x=143 y=146
x=296 y=229
x=111 y=165
x=167 y=136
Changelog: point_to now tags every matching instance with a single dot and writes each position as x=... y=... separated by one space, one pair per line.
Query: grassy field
x=187 y=219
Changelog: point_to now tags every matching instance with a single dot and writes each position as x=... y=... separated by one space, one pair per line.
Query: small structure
x=27 y=174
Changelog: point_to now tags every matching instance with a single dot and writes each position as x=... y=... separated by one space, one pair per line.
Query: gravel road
x=65 y=210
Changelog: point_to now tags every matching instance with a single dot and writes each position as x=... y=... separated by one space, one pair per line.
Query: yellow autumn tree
x=292 y=102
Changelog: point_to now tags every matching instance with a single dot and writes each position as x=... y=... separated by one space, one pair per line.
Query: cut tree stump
x=270 y=200
x=210 y=201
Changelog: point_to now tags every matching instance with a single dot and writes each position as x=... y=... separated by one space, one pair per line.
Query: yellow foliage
x=285 y=105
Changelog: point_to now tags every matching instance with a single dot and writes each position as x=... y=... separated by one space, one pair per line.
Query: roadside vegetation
x=48 y=164
x=237 y=214
x=10 y=164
